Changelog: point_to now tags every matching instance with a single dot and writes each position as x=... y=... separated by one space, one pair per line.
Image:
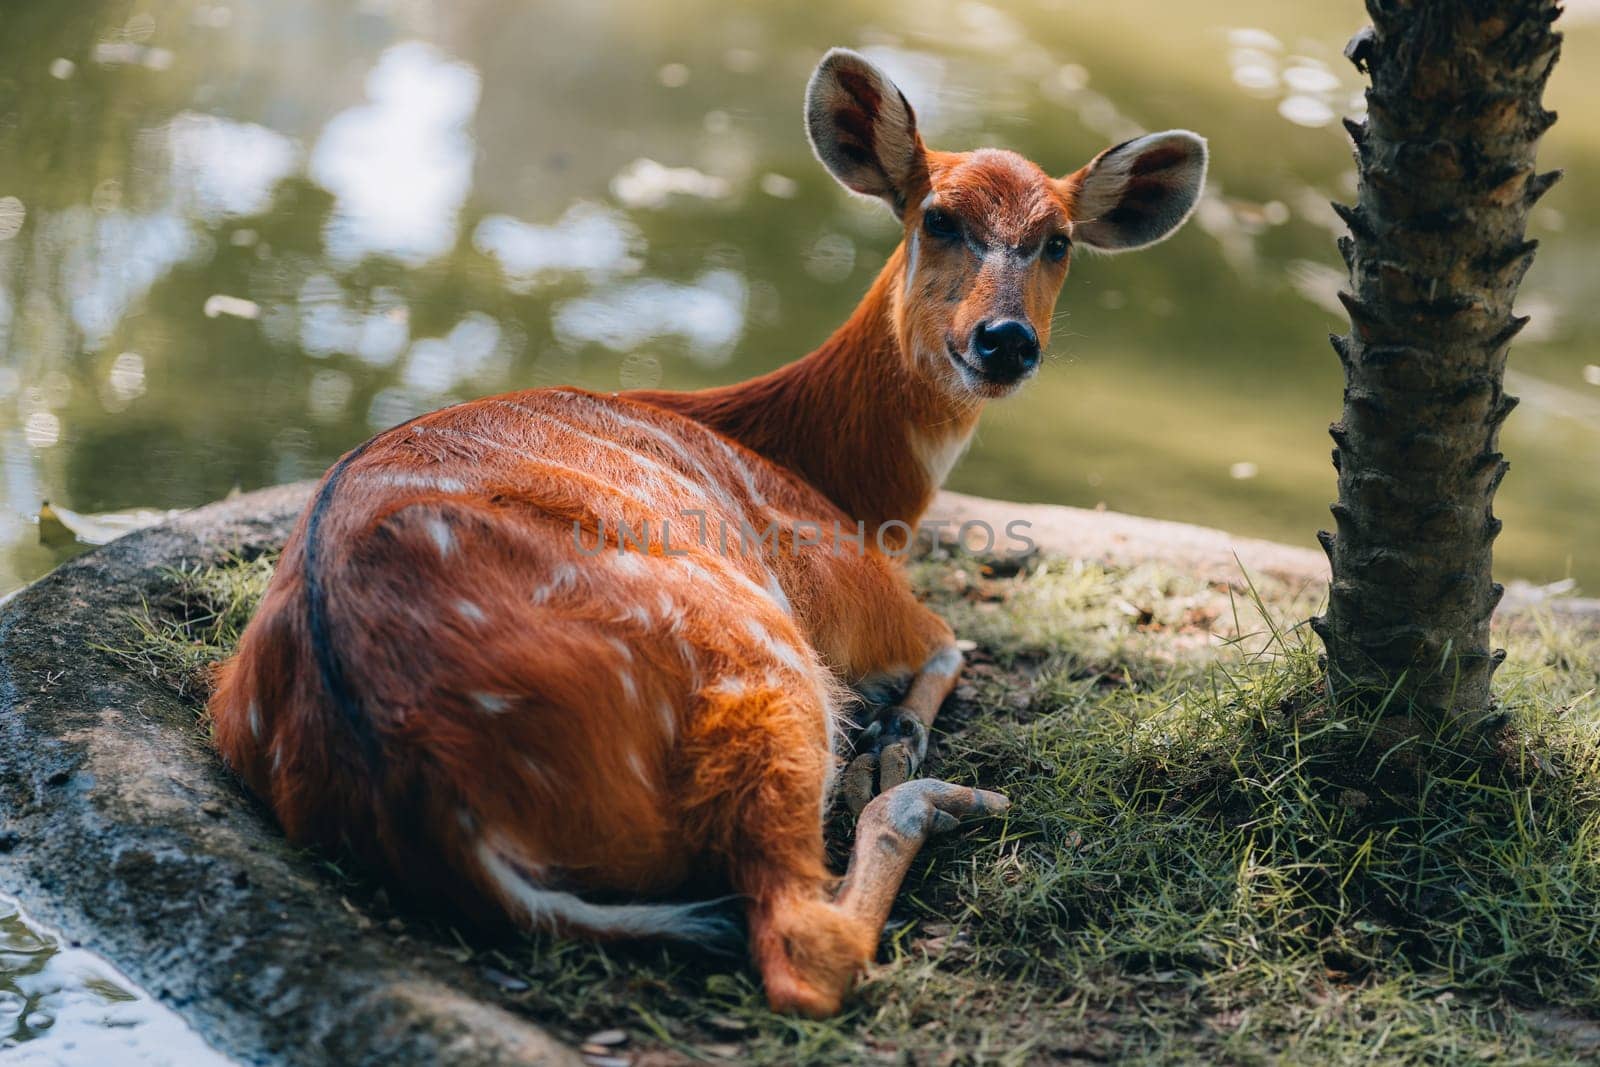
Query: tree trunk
x=1436 y=253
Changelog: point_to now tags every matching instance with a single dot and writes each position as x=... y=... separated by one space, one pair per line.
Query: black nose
x=1009 y=349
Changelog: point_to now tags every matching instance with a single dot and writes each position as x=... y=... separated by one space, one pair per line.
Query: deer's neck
x=854 y=418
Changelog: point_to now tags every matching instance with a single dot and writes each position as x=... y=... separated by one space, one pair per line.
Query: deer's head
x=989 y=234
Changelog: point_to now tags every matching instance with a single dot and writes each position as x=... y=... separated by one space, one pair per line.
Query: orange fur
x=447 y=679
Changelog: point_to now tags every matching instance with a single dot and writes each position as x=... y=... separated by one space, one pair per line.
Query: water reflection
x=588 y=239
x=646 y=183
x=471 y=351
x=12 y=215
x=400 y=165
x=1312 y=95
x=63 y=1005
x=241 y=236
x=221 y=168
x=707 y=313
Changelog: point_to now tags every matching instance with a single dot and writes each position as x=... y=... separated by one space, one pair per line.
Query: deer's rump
x=460 y=675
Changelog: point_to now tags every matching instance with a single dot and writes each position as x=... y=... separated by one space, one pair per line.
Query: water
x=65 y=1005
x=237 y=238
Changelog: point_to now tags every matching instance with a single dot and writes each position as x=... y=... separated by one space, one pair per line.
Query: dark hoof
x=889 y=751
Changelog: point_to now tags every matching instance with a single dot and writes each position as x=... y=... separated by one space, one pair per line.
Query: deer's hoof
x=889 y=751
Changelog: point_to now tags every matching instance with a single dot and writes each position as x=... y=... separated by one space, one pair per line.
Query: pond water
x=60 y=1004
x=238 y=238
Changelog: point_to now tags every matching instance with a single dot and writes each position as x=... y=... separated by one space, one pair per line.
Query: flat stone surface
x=1119 y=540
x=1215 y=555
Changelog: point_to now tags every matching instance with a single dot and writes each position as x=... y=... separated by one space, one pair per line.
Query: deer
x=497 y=666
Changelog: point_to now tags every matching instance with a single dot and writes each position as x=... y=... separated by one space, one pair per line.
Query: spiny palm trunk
x=1436 y=253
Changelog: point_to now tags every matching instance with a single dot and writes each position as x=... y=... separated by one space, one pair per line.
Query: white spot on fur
x=255 y=721
x=563 y=577
x=439 y=530
x=783 y=652
x=636 y=762
x=412 y=480
x=653 y=476
x=756 y=496
x=725 y=572
x=534 y=459
x=775 y=591
x=687 y=651
x=629 y=562
x=728 y=685
x=669 y=718
x=695 y=572
x=630 y=688
x=470 y=611
x=634 y=613
x=490 y=703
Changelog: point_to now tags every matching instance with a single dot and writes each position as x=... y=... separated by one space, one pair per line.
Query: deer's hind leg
x=812 y=942
x=758 y=767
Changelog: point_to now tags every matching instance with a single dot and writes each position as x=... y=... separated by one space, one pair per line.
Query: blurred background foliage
x=238 y=238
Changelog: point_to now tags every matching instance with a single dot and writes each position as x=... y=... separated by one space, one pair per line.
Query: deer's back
x=494 y=656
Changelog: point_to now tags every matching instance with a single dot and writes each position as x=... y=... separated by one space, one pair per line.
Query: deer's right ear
x=863 y=130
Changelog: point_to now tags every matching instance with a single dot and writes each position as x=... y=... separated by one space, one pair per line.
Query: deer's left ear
x=864 y=131
x=1138 y=192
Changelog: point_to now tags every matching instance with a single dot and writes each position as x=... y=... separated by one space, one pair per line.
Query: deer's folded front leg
x=892 y=747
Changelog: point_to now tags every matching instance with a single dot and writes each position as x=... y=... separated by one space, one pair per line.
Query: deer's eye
x=1056 y=248
x=940 y=224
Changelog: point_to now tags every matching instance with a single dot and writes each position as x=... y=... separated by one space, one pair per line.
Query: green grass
x=180 y=637
x=1199 y=864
